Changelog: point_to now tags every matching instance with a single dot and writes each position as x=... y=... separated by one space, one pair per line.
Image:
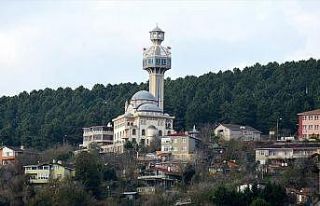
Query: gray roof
x=237 y=127
x=143 y=95
x=148 y=107
x=156 y=29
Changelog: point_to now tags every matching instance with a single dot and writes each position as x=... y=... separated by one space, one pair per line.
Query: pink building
x=309 y=124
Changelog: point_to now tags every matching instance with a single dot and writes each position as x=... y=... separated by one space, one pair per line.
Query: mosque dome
x=143 y=95
x=148 y=107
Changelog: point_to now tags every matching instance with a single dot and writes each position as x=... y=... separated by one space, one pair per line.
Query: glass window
x=160 y=133
x=157 y=61
x=143 y=132
x=134 y=132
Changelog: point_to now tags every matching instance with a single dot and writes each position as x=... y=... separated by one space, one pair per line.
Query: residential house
x=9 y=154
x=309 y=124
x=180 y=146
x=238 y=132
x=42 y=173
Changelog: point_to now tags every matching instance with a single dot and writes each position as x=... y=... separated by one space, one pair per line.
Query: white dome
x=148 y=107
x=143 y=95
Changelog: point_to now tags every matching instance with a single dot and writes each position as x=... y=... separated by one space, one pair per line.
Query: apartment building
x=180 y=146
x=280 y=153
x=102 y=135
x=309 y=124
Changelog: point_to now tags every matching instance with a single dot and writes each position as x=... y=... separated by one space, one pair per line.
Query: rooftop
x=291 y=146
x=237 y=127
x=312 y=112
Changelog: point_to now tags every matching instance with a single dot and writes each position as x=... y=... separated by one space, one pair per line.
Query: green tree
x=259 y=202
x=88 y=170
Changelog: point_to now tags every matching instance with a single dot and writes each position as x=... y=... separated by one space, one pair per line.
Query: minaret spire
x=157 y=60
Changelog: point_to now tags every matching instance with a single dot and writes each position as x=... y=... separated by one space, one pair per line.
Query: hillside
x=256 y=96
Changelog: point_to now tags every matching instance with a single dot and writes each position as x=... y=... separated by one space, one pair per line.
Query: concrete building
x=309 y=124
x=102 y=135
x=281 y=153
x=238 y=132
x=179 y=146
x=42 y=173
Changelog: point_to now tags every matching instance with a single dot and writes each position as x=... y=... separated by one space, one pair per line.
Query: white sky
x=72 y=43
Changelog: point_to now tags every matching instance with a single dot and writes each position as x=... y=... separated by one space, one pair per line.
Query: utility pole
x=278 y=119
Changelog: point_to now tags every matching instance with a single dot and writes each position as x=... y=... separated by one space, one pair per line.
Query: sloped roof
x=19 y=149
x=312 y=112
x=237 y=127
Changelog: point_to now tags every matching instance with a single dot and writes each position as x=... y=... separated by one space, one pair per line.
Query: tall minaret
x=157 y=60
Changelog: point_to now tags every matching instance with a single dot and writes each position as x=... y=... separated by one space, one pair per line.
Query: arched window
x=160 y=133
x=143 y=132
x=169 y=132
x=133 y=131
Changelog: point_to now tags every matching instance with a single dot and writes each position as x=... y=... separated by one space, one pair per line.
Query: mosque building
x=144 y=118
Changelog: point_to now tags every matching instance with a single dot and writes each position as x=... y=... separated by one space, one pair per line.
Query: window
x=142 y=141
x=157 y=61
x=310 y=127
x=316 y=117
x=304 y=126
x=143 y=132
x=160 y=133
x=316 y=127
x=169 y=132
x=184 y=140
x=310 y=117
x=133 y=131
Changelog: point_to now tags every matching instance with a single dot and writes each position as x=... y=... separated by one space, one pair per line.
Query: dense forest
x=257 y=95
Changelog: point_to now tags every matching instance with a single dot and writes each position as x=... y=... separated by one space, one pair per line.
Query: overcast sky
x=72 y=43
